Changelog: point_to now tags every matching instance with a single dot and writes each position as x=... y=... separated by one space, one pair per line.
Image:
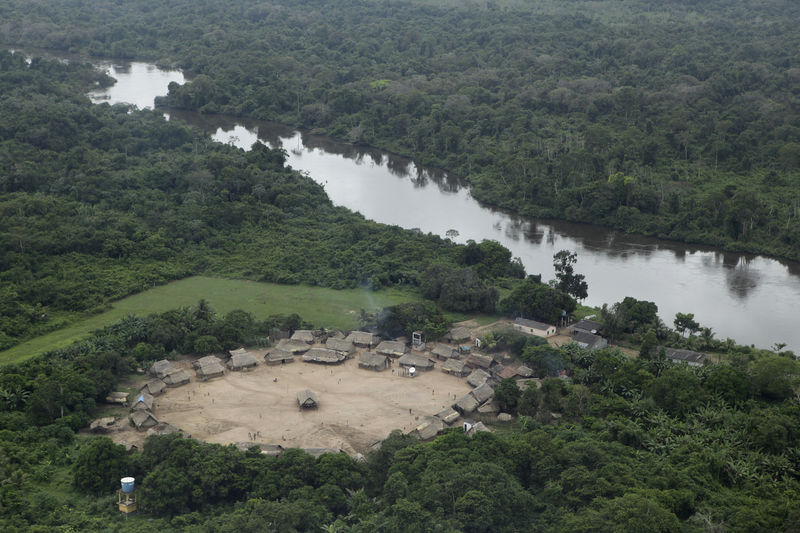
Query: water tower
x=126 y=496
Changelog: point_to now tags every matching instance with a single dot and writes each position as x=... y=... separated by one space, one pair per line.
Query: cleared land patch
x=356 y=407
x=338 y=309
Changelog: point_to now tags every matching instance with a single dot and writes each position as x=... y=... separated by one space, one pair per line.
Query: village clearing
x=357 y=407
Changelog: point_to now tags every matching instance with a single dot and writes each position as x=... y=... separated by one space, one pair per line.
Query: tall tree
x=567 y=280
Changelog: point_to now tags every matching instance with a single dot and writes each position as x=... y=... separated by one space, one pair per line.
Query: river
x=745 y=297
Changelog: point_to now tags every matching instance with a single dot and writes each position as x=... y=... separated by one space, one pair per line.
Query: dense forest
x=676 y=119
x=625 y=445
x=98 y=203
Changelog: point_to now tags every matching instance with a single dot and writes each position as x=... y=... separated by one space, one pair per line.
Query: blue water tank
x=127 y=485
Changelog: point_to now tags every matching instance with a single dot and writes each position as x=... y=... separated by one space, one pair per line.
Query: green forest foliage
x=624 y=445
x=99 y=202
x=677 y=119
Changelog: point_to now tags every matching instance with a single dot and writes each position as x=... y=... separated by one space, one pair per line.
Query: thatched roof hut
x=154 y=387
x=207 y=359
x=448 y=415
x=231 y=353
x=443 y=351
x=476 y=360
x=143 y=419
x=430 y=427
x=163 y=428
x=162 y=368
x=363 y=339
x=483 y=393
x=242 y=361
x=211 y=368
x=117 y=397
x=296 y=347
x=391 y=348
x=458 y=334
x=466 y=404
x=489 y=408
x=143 y=402
x=277 y=356
x=477 y=428
x=372 y=361
x=478 y=377
x=323 y=356
x=307 y=399
x=342 y=346
x=455 y=367
x=303 y=335
x=176 y=378
x=420 y=362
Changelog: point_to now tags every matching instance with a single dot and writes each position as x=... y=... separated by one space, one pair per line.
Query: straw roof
x=323 y=355
x=478 y=377
x=431 y=427
x=143 y=402
x=154 y=387
x=391 y=348
x=372 y=361
x=176 y=378
x=143 y=419
x=307 y=399
x=277 y=356
x=458 y=334
x=448 y=415
x=362 y=338
x=210 y=369
x=340 y=345
x=162 y=368
x=483 y=393
x=466 y=404
x=476 y=360
x=241 y=361
x=303 y=335
x=418 y=361
x=455 y=367
x=208 y=359
x=296 y=347
x=443 y=351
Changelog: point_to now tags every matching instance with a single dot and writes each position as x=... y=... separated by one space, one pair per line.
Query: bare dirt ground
x=357 y=407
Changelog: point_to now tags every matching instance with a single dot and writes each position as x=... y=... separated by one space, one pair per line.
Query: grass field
x=320 y=306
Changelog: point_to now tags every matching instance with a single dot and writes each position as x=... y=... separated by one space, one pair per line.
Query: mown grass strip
x=321 y=306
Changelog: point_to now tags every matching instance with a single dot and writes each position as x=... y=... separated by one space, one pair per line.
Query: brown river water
x=748 y=298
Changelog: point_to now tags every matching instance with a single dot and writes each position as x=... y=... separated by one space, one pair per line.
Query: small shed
x=392 y=348
x=162 y=368
x=342 y=346
x=176 y=378
x=143 y=402
x=689 y=357
x=242 y=361
x=489 y=408
x=373 y=361
x=476 y=360
x=278 y=357
x=532 y=327
x=154 y=387
x=477 y=428
x=420 y=362
x=303 y=335
x=478 y=377
x=455 y=367
x=211 y=368
x=586 y=326
x=323 y=356
x=362 y=339
x=458 y=334
x=103 y=425
x=143 y=419
x=296 y=347
x=307 y=399
x=117 y=397
x=589 y=341
x=443 y=351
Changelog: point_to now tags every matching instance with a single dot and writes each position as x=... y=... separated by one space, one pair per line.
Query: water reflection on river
x=749 y=298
